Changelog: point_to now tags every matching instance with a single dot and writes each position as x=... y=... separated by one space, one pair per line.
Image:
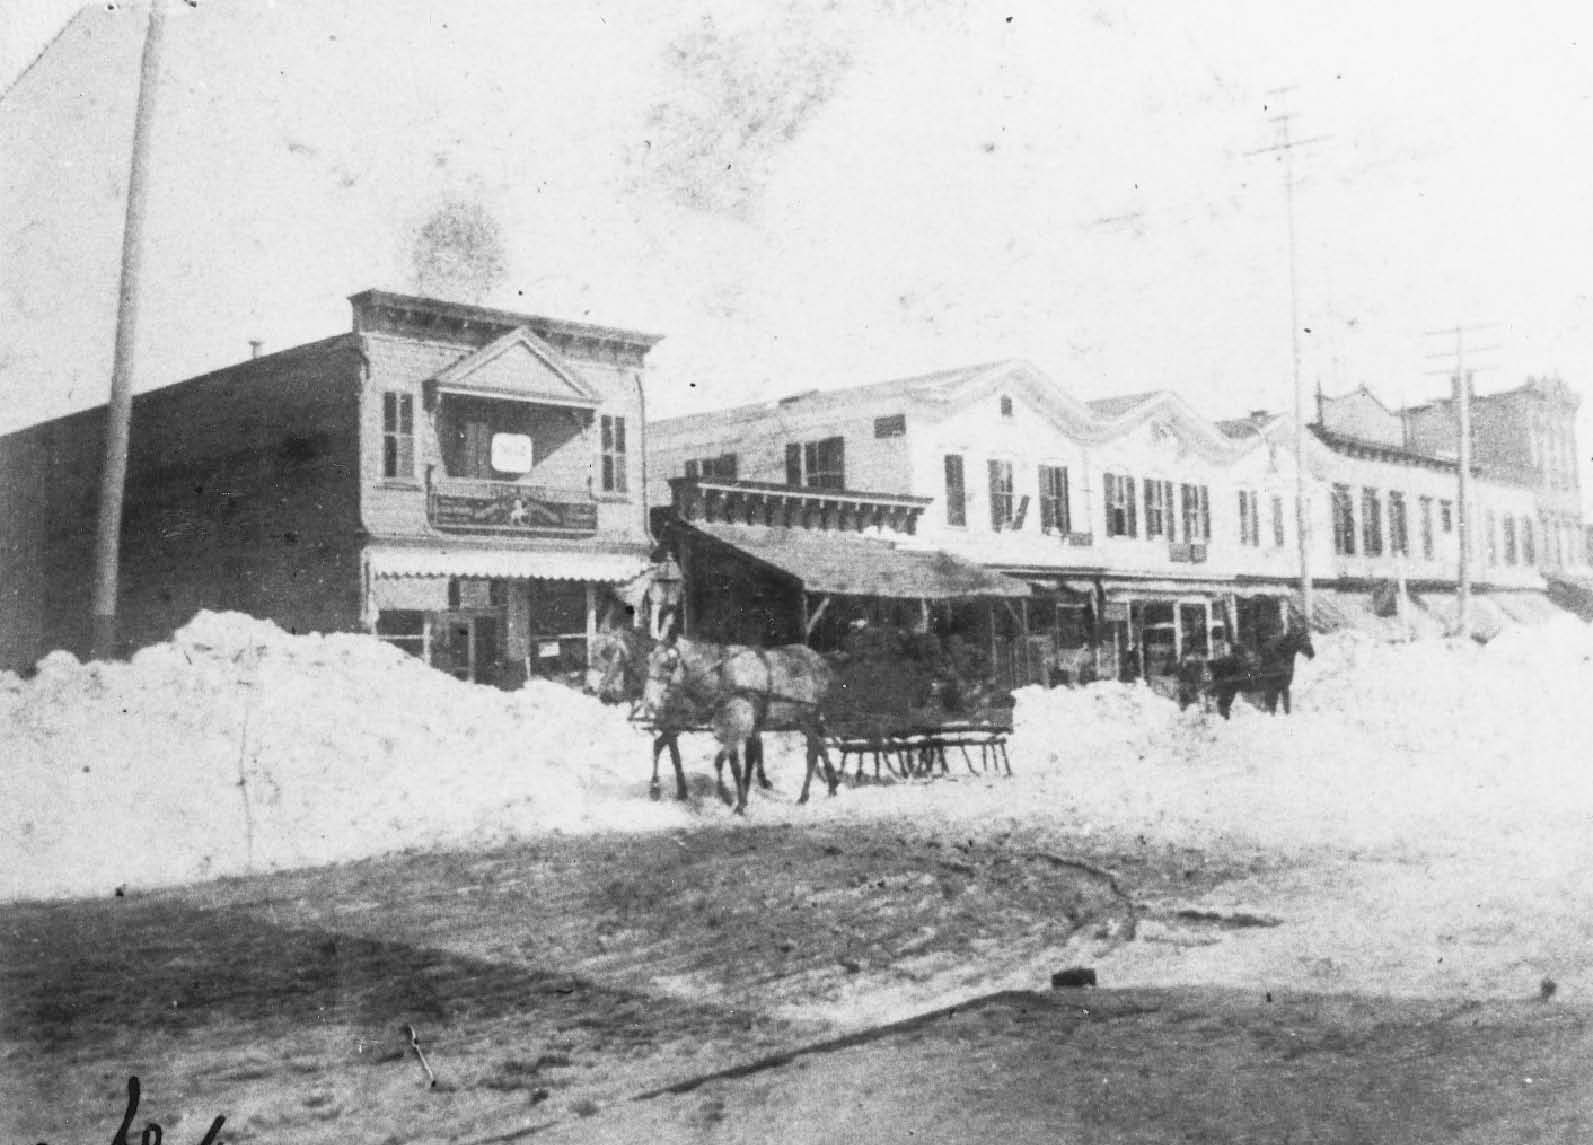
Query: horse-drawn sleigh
x=737 y=693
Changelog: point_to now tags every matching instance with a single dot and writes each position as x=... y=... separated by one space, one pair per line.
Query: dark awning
x=851 y=564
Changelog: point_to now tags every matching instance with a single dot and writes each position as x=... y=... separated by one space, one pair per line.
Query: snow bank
x=238 y=747
x=1422 y=743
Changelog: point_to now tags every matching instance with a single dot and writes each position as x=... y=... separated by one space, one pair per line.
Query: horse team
x=739 y=692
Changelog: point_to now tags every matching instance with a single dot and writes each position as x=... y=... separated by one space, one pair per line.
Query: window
x=1446 y=516
x=1343 y=521
x=1277 y=522
x=1371 y=523
x=893 y=426
x=956 y=492
x=1006 y=406
x=1426 y=504
x=1509 y=539
x=1529 y=555
x=1158 y=508
x=1249 y=518
x=1119 y=493
x=721 y=468
x=1000 y=494
x=1054 y=515
x=398 y=435
x=1398 y=526
x=816 y=464
x=614 y=480
x=403 y=628
x=1196 y=513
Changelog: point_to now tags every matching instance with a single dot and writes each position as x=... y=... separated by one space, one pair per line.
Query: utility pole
x=118 y=413
x=1302 y=504
x=1461 y=380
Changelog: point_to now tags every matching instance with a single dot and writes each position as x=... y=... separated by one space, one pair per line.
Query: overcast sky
x=799 y=193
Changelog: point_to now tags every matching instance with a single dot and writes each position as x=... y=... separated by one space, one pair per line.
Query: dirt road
x=550 y=985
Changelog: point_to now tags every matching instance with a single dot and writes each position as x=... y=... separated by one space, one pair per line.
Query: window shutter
x=793 y=464
x=1133 y=526
x=994 y=470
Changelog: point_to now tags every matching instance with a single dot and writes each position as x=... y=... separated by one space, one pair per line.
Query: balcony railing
x=463 y=505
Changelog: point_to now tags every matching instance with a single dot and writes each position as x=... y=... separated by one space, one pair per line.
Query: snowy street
x=1411 y=844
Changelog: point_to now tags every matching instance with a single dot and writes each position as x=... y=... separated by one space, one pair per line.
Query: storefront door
x=467 y=647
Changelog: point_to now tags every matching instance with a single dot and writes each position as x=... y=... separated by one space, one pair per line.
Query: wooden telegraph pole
x=1461 y=381
x=118 y=414
x=1302 y=504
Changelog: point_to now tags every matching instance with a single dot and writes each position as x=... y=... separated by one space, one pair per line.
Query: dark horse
x=1269 y=670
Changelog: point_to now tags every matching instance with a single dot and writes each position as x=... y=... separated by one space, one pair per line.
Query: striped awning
x=504 y=564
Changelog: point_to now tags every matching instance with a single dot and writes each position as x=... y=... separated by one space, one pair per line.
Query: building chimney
x=255 y=345
x=1259 y=415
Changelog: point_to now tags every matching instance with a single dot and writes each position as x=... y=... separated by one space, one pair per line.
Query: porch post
x=995 y=655
x=684 y=606
x=591 y=620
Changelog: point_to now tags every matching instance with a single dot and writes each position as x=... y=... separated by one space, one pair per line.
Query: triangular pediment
x=521 y=366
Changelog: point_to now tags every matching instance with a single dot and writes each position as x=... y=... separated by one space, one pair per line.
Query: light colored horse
x=747 y=691
x=620 y=656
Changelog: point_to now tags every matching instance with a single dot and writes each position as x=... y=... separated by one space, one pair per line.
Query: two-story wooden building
x=1114 y=513
x=465 y=482
x=1145 y=530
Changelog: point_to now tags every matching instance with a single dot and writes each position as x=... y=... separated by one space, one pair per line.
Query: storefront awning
x=849 y=564
x=1073 y=590
x=504 y=564
x=1162 y=589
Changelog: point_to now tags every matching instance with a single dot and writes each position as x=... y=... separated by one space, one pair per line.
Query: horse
x=747 y=690
x=1231 y=674
x=1277 y=665
x=1268 y=669
x=621 y=654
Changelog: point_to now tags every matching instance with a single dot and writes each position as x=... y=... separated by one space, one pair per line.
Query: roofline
x=884 y=394
x=1348 y=443
x=467 y=312
x=1082 y=421
x=165 y=391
